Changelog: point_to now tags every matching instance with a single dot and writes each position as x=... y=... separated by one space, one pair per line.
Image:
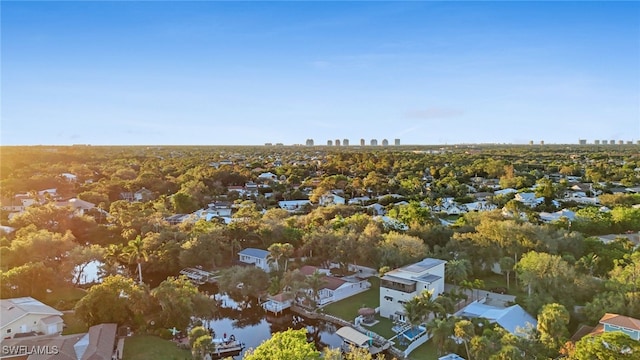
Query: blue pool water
x=413 y=332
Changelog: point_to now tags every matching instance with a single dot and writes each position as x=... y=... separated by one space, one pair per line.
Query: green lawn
x=143 y=347
x=497 y=280
x=383 y=327
x=64 y=298
x=73 y=324
x=426 y=351
x=347 y=309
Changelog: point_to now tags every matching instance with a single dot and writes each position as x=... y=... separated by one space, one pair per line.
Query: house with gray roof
x=255 y=257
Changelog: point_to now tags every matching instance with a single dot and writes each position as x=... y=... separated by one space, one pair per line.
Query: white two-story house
x=401 y=285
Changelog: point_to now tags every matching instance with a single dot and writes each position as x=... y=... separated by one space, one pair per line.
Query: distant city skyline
x=250 y=73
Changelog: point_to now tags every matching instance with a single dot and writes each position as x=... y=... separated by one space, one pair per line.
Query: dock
x=199 y=276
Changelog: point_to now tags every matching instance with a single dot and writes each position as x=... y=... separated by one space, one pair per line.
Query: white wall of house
x=392 y=300
x=28 y=323
x=258 y=262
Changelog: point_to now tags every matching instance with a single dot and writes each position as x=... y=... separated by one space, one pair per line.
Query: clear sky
x=246 y=73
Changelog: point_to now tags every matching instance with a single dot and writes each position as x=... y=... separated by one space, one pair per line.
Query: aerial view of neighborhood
x=308 y=180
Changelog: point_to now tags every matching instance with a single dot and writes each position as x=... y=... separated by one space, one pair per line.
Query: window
x=402 y=302
x=388 y=298
x=8 y=331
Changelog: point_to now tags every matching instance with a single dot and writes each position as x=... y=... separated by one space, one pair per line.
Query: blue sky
x=247 y=73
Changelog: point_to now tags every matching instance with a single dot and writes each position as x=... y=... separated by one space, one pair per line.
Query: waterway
x=251 y=325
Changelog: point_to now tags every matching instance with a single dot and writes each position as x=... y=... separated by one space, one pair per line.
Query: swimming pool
x=414 y=332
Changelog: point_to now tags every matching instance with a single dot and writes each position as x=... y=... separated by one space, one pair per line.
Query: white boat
x=226 y=347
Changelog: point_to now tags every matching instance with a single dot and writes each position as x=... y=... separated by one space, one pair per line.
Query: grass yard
x=347 y=309
x=64 y=298
x=497 y=280
x=73 y=324
x=426 y=351
x=383 y=327
x=142 y=347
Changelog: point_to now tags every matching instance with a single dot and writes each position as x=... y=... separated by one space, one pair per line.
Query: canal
x=251 y=325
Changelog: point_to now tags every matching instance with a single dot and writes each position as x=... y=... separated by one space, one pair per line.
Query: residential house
x=143 y=195
x=360 y=200
x=514 y=318
x=293 y=205
x=529 y=199
x=334 y=288
x=99 y=343
x=564 y=213
x=331 y=199
x=401 y=285
x=69 y=177
x=27 y=315
x=505 y=191
x=268 y=176
x=255 y=257
x=614 y=322
x=79 y=207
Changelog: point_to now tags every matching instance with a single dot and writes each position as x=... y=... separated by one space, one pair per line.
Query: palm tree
x=506 y=266
x=458 y=270
x=136 y=253
x=315 y=282
x=464 y=330
x=413 y=312
x=277 y=251
x=440 y=331
x=275 y=254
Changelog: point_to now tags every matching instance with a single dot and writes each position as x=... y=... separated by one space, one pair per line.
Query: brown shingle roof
x=621 y=320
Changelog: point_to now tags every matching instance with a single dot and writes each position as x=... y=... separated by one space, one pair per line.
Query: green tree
x=440 y=331
x=179 y=300
x=136 y=253
x=553 y=320
x=608 y=345
x=277 y=252
x=242 y=283
x=116 y=300
x=289 y=344
x=457 y=270
x=464 y=330
x=399 y=249
x=506 y=266
x=315 y=282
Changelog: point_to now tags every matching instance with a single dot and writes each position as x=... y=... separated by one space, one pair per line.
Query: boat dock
x=199 y=276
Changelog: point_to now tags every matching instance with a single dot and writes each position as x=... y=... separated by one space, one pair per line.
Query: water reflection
x=250 y=324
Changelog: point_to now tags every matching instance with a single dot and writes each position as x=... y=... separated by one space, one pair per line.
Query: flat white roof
x=352 y=335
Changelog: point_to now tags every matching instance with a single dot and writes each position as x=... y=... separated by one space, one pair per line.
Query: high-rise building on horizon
x=620 y=142
x=329 y=143
x=309 y=142
x=385 y=142
x=597 y=142
x=363 y=142
x=541 y=142
x=582 y=142
x=396 y=142
x=337 y=142
x=530 y=142
x=374 y=142
x=345 y=142
x=605 y=142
